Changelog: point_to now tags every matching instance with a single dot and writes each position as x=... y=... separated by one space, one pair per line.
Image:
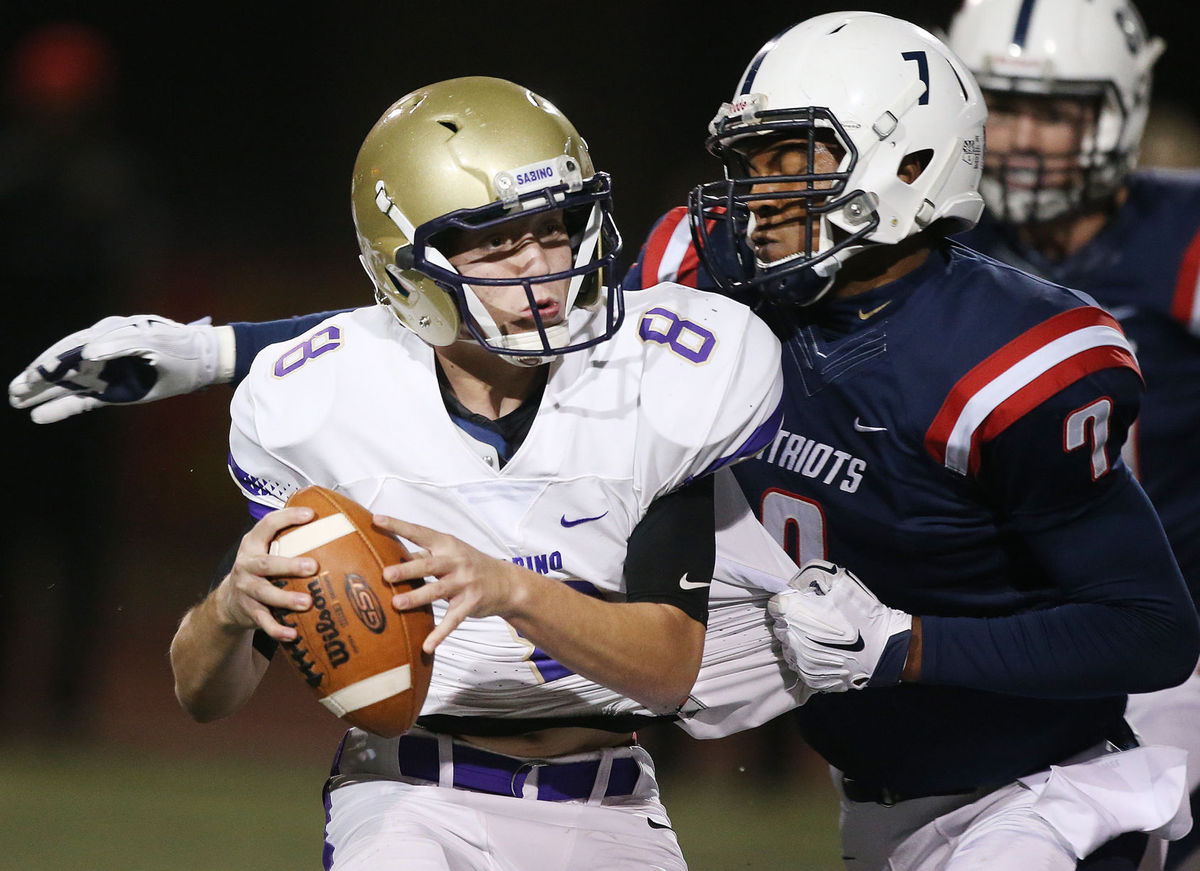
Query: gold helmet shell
x=480 y=150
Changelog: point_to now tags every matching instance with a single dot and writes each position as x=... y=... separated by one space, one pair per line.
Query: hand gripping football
x=361 y=657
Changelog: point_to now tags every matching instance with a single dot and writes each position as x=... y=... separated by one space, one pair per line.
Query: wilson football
x=360 y=656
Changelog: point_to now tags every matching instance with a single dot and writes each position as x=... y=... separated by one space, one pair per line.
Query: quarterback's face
x=780 y=226
x=525 y=247
x=1036 y=141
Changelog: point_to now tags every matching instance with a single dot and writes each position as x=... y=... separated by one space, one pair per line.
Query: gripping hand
x=835 y=633
x=123 y=360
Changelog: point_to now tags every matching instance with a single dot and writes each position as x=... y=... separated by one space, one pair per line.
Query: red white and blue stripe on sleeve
x=1020 y=376
x=1185 y=304
x=668 y=253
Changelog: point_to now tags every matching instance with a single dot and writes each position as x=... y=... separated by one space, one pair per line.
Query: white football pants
x=391 y=825
x=1170 y=716
x=1045 y=822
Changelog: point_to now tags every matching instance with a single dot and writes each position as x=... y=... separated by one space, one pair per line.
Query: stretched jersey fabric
x=1144 y=267
x=954 y=438
x=689 y=385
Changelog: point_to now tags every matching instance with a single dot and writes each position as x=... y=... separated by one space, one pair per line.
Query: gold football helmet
x=467 y=154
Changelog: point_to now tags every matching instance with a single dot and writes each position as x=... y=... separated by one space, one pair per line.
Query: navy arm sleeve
x=672 y=550
x=1118 y=617
x=252 y=337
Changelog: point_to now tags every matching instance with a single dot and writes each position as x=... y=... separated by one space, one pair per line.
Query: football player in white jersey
x=558 y=465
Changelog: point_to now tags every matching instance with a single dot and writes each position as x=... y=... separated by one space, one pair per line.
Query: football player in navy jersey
x=952 y=431
x=1068 y=90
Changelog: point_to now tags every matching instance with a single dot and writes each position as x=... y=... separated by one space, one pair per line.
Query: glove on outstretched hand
x=121 y=360
x=835 y=633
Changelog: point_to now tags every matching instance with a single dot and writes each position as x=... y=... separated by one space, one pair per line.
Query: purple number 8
x=690 y=341
x=320 y=342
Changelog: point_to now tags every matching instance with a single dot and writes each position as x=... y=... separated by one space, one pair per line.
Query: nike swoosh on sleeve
x=856 y=644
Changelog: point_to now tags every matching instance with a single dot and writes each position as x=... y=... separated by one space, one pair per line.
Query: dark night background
x=226 y=137
x=251 y=119
x=233 y=130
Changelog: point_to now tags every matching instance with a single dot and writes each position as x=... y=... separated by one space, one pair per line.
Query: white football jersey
x=690 y=383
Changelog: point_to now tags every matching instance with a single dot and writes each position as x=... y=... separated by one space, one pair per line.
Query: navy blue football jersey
x=1144 y=266
x=954 y=438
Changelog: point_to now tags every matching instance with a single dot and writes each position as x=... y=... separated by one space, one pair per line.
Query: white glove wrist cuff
x=890 y=667
x=226 y=354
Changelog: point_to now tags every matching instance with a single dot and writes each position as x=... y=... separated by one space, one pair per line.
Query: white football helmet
x=467 y=154
x=884 y=90
x=1091 y=50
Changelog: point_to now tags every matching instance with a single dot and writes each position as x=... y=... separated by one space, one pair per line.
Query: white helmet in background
x=1090 y=50
x=883 y=90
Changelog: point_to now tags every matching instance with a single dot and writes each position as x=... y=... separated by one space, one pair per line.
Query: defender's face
x=1036 y=141
x=525 y=247
x=781 y=225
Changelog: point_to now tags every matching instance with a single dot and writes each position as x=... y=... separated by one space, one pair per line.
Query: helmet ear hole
x=395 y=277
x=913 y=164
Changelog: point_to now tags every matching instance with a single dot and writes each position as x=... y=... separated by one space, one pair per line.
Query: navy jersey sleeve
x=1122 y=619
x=252 y=337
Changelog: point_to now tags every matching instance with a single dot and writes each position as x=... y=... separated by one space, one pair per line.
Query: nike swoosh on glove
x=835 y=633
x=122 y=361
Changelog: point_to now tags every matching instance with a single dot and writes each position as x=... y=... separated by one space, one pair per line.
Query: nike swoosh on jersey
x=859 y=426
x=685 y=584
x=569 y=523
x=862 y=315
x=856 y=644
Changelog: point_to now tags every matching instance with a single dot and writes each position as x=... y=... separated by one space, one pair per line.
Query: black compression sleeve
x=671 y=552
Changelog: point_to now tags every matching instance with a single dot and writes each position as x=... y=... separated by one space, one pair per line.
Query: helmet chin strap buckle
x=556 y=336
x=526 y=362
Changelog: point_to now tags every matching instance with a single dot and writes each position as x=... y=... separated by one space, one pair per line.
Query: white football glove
x=123 y=360
x=835 y=633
